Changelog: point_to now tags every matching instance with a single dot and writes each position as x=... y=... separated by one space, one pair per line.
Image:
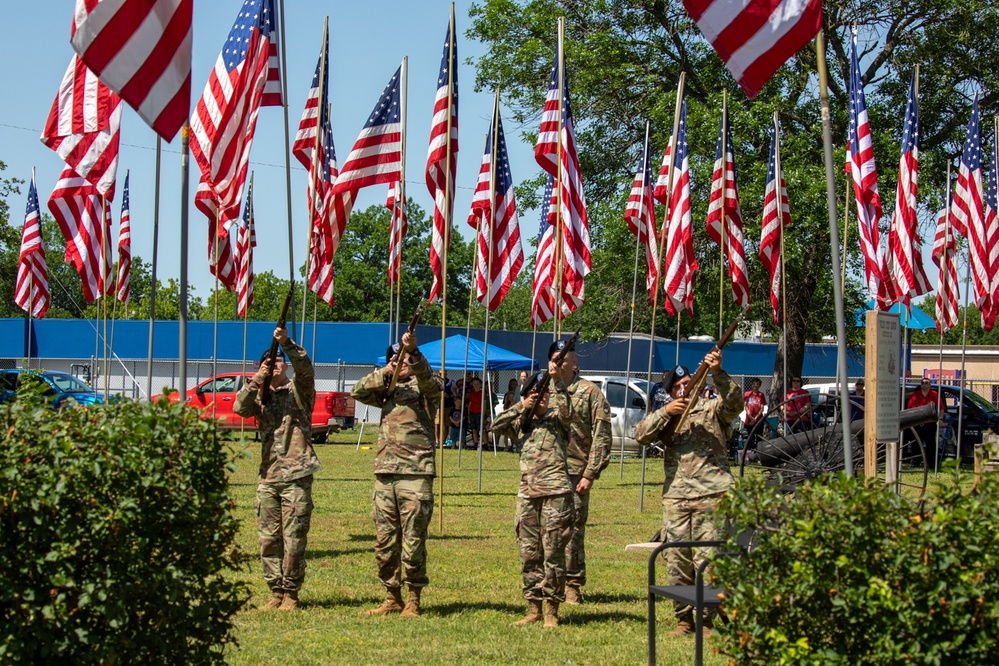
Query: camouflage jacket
x=590 y=432
x=285 y=422
x=696 y=462
x=406 y=433
x=544 y=470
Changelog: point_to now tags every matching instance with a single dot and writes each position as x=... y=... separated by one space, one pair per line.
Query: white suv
x=628 y=407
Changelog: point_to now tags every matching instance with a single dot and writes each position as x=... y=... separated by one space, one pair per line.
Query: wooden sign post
x=882 y=404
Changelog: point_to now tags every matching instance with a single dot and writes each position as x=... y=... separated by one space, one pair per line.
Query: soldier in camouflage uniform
x=404 y=472
x=544 y=501
x=589 y=454
x=287 y=464
x=696 y=472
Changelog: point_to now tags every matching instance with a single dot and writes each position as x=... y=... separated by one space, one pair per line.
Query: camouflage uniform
x=696 y=475
x=544 y=500
x=287 y=463
x=403 y=500
x=589 y=454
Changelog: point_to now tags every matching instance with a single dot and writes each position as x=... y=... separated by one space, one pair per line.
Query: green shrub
x=843 y=573
x=116 y=534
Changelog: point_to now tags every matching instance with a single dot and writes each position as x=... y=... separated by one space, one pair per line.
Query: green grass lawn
x=474 y=568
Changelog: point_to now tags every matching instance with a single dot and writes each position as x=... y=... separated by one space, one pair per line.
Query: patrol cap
x=555 y=348
x=677 y=373
x=531 y=383
x=391 y=351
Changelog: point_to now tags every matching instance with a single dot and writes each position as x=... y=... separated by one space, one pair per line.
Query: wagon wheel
x=772 y=449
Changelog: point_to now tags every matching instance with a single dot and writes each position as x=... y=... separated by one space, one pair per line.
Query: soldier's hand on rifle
x=676 y=407
x=555 y=371
x=263 y=371
x=281 y=334
x=409 y=341
x=530 y=400
x=714 y=360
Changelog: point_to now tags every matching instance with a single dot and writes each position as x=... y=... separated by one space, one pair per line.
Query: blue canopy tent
x=497 y=357
x=917 y=318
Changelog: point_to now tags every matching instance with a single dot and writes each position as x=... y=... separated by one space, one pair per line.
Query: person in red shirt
x=927 y=432
x=756 y=403
x=797 y=405
x=924 y=396
x=474 y=407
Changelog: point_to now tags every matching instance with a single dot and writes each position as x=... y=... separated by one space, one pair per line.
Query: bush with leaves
x=116 y=536
x=846 y=573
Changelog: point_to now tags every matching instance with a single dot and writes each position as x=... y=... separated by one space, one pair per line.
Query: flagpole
x=468 y=328
x=448 y=185
x=152 y=285
x=779 y=175
x=103 y=307
x=942 y=287
x=820 y=48
x=634 y=288
x=31 y=294
x=559 y=222
x=724 y=223
x=215 y=326
x=287 y=170
x=490 y=229
x=182 y=309
x=314 y=166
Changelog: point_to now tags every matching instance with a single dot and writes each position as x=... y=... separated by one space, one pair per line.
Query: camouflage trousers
x=575 y=551
x=402 y=507
x=543 y=527
x=689 y=520
x=284 y=511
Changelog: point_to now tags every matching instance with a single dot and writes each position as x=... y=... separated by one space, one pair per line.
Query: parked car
x=978 y=416
x=63 y=388
x=628 y=404
x=333 y=410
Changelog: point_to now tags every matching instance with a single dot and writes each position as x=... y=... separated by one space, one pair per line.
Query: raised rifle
x=402 y=352
x=695 y=385
x=527 y=420
x=265 y=387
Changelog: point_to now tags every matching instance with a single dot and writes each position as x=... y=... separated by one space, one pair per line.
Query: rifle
x=402 y=352
x=697 y=381
x=265 y=387
x=527 y=419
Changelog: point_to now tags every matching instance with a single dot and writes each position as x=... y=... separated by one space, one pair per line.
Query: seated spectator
x=797 y=407
x=857 y=400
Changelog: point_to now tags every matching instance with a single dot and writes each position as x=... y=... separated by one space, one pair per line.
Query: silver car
x=628 y=407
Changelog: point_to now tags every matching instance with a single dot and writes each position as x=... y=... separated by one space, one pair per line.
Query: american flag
x=329 y=217
x=945 y=257
x=755 y=39
x=246 y=77
x=82 y=127
x=78 y=208
x=992 y=240
x=220 y=258
x=315 y=106
x=246 y=240
x=377 y=154
x=968 y=211
x=640 y=214
x=680 y=266
x=775 y=220
x=905 y=267
x=442 y=154
x=398 y=225
x=725 y=198
x=568 y=201
x=32 y=291
x=860 y=166
x=124 y=246
x=543 y=293
x=501 y=234
x=141 y=49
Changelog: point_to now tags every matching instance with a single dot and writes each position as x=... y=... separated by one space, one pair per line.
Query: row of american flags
x=83 y=128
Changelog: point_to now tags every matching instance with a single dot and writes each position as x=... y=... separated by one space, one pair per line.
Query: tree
x=624 y=58
x=10 y=247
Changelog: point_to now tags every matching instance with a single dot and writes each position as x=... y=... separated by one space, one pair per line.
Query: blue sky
x=368 y=40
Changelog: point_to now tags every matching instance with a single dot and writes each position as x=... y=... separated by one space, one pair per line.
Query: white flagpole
x=152 y=284
x=403 y=103
x=491 y=231
x=287 y=170
x=313 y=170
x=779 y=186
x=182 y=310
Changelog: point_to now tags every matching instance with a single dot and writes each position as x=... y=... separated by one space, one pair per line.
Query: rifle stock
x=697 y=381
x=402 y=352
x=265 y=387
x=527 y=420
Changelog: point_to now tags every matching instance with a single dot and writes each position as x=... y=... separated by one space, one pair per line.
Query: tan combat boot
x=412 y=608
x=290 y=601
x=573 y=595
x=392 y=603
x=533 y=613
x=684 y=625
x=551 y=614
x=275 y=601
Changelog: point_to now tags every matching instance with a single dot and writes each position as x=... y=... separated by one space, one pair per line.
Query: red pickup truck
x=333 y=410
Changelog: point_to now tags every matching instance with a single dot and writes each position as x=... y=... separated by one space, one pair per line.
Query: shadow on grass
x=456 y=608
x=456 y=537
x=475 y=494
x=316 y=555
x=604 y=598
x=578 y=617
x=344 y=602
x=361 y=537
